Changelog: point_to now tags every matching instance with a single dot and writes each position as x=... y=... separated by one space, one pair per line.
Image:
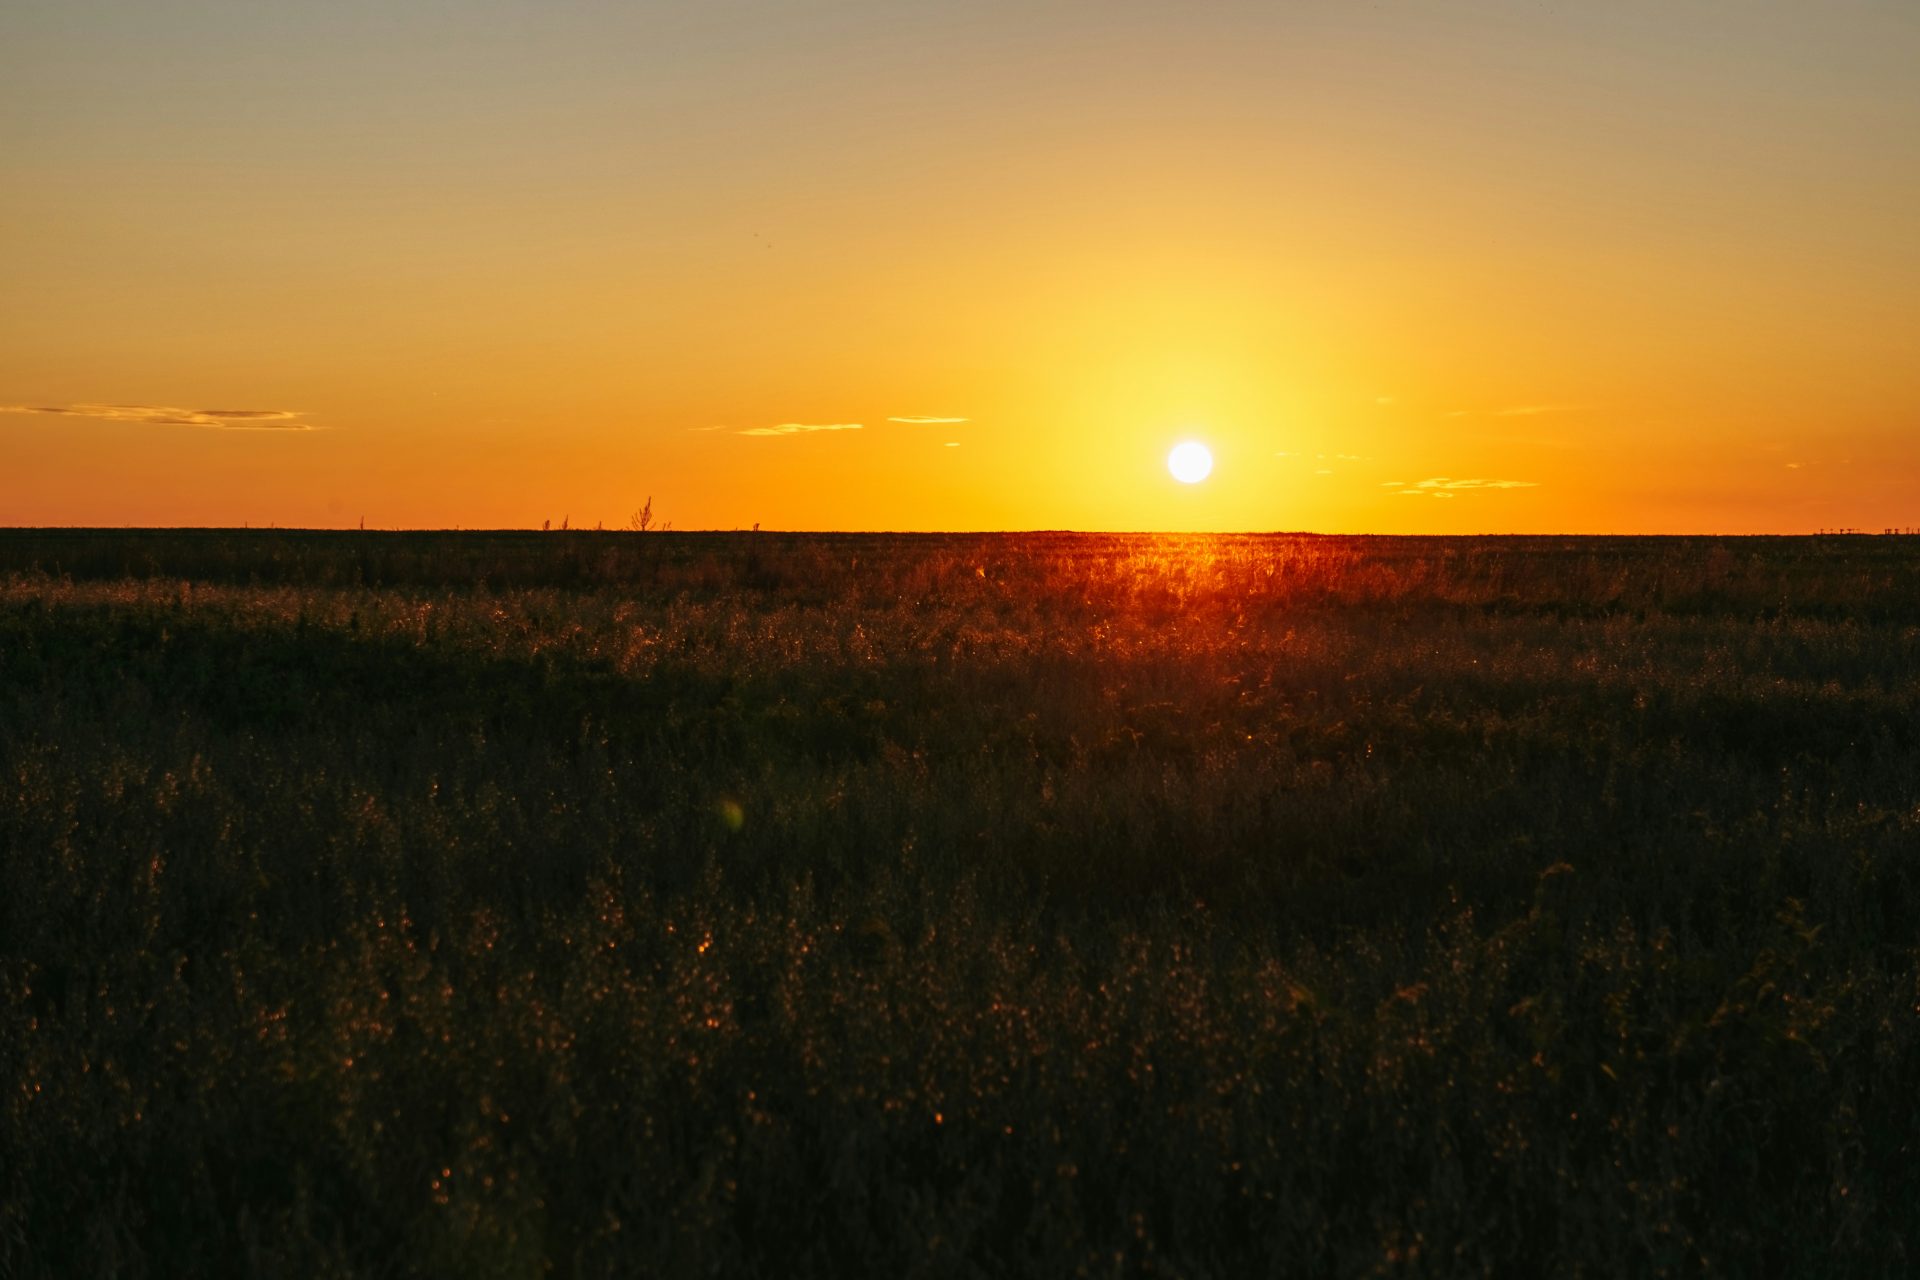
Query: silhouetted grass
x=606 y=904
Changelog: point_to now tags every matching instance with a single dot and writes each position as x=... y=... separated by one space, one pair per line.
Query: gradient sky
x=1623 y=266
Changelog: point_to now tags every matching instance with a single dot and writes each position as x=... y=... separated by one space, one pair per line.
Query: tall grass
x=590 y=904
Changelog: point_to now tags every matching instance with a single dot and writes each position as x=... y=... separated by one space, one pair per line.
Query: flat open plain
x=831 y=905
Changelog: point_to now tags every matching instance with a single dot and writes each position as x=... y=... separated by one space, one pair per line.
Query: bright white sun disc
x=1190 y=462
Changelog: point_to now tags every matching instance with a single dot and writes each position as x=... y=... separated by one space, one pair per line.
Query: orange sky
x=1487 y=265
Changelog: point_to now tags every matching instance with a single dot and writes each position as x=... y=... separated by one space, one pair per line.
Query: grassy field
x=734 y=904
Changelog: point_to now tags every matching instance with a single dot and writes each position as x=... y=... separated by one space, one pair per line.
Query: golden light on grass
x=1190 y=462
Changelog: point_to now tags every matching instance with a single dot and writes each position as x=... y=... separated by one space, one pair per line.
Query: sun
x=1191 y=462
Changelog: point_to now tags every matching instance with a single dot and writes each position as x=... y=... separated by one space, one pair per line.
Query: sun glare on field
x=1190 y=462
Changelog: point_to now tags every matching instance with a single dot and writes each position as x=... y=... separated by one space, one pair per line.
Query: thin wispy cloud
x=158 y=415
x=1534 y=410
x=801 y=428
x=928 y=422
x=1518 y=411
x=1447 y=487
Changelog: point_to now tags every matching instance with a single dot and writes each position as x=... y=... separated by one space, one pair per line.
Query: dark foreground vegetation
x=576 y=904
